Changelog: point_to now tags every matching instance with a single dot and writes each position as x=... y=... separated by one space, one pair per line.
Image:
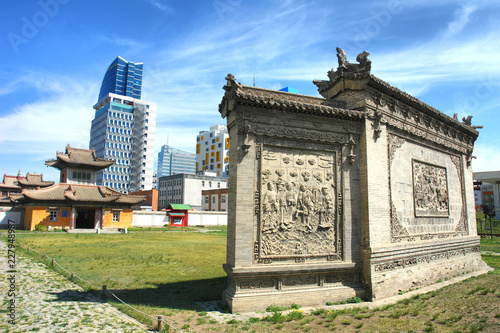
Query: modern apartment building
x=212 y=150
x=186 y=189
x=124 y=129
x=172 y=161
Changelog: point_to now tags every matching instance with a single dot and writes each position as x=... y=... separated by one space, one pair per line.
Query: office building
x=172 y=161
x=187 y=189
x=212 y=151
x=124 y=129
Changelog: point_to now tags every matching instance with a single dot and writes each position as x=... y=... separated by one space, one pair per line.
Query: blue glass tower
x=123 y=78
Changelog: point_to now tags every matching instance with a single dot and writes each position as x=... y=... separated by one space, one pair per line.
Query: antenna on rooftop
x=254 y=80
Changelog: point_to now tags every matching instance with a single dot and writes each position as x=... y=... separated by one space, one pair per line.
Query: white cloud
x=161 y=6
x=47 y=125
x=462 y=17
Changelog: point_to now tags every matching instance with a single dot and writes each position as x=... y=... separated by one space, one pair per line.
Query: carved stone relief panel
x=299 y=207
x=426 y=192
x=430 y=190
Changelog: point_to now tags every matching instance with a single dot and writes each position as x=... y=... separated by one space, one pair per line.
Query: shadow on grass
x=179 y=295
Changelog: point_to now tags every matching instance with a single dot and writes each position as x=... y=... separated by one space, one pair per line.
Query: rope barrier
x=44 y=255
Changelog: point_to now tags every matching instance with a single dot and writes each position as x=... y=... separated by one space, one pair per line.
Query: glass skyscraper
x=122 y=78
x=172 y=161
x=124 y=129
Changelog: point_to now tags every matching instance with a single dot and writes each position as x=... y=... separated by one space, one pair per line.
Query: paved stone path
x=47 y=302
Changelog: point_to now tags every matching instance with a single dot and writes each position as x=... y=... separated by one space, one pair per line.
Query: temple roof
x=280 y=100
x=11 y=181
x=34 y=180
x=79 y=158
x=77 y=193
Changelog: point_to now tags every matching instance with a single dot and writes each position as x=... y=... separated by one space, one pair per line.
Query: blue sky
x=54 y=53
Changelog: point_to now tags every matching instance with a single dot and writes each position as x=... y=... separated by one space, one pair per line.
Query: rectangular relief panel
x=299 y=208
x=430 y=190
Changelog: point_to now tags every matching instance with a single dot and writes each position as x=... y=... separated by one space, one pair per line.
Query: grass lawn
x=166 y=273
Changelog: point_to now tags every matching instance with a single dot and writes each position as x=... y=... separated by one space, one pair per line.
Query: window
x=116 y=216
x=53 y=215
x=202 y=183
x=209 y=184
x=213 y=199
x=206 y=200
x=223 y=199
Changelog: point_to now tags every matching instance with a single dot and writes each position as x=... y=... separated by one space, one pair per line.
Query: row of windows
x=120 y=123
x=116 y=177
x=118 y=154
x=81 y=175
x=120 y=115
x=54 y=214
x=222 y=199
x=118 y=130
x=117 y=185
x=117 y=169
x=117 y=145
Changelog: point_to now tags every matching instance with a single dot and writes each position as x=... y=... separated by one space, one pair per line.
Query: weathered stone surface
x=364 y=192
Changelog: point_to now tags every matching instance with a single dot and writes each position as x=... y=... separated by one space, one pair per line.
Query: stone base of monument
x=256 y=288
x=402 y=270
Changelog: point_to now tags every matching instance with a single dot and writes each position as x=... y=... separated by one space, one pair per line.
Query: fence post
x=53 y=262
x=104 y=289
x=29 y=249
x=160 y=323
x=72 y=276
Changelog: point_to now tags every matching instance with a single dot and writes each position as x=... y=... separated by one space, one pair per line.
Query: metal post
x=160 y=323
x=104 y=289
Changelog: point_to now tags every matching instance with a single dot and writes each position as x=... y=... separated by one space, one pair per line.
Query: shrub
x=40 y=227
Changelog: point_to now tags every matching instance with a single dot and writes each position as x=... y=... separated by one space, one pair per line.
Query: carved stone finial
x=467 y=120
x=231 y=82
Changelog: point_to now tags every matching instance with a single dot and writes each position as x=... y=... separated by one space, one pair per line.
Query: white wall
x=207 y=218
x=149 y=219
x=159 y=219
x=13 y=216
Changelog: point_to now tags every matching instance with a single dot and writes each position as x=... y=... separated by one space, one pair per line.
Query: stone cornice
x=278 y=100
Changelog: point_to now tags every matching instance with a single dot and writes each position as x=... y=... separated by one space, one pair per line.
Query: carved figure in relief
x=297 y=216
x=327 y=209
x=291 y=203
x=270 y=206
x=430 y=190
x=305 y=206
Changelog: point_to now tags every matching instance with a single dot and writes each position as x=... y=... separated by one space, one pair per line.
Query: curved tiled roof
x=79 y=193
x=34 y=180
x=278 y=100
x=76 y=157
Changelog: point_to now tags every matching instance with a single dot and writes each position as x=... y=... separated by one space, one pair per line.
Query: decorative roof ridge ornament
x=361 y=70
x=231 y=83
x=363 y=66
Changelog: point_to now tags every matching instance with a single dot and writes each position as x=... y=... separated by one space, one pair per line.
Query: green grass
x=166 y=273
x=151 y=271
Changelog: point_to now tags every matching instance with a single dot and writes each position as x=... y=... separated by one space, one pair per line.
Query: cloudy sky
x=54 y=54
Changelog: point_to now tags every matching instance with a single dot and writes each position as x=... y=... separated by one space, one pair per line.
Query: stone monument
x=365 y=192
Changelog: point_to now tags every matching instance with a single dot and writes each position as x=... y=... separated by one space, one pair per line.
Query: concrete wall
x=195 y=218
x=15 y=216
x=207 y=218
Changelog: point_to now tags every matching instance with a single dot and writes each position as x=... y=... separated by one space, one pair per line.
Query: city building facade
x=487 y=192
x=186 y=189
x=172 y=161
x=212 y=150
x=124 y=129
x=215 y=200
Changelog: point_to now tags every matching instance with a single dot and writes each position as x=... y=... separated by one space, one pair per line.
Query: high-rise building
x=122 y=78
x=124 y=129
x=212 y=150
x=172 y=161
